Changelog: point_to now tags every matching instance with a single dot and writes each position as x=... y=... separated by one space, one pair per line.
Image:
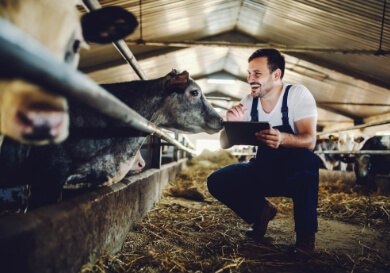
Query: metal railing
x=360 y=152
x=28 y=59
x=361 y=126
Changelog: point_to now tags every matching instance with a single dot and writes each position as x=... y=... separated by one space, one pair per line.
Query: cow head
x=362 y=168
x=28 y=113
x=185 y=108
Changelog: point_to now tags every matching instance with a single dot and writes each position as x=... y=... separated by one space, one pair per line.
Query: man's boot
x=259 y=227
x=305 y=243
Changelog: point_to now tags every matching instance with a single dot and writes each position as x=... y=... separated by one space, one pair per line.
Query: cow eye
x=76 y=46
x=71 y=54
x=194 y=93
x=366 y=159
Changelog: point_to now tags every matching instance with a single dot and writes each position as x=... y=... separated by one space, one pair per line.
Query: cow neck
x=144 y=97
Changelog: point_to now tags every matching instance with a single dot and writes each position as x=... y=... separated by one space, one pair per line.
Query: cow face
x=138 y=164
x=362 y=168
x=367 y=166
x=345 y=142
x=28 y=113
x=185 y=109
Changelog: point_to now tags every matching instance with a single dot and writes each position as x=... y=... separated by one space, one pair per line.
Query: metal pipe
x=321 y=103
x=361 y=126
x=28 y=59
x=120 y=45
x=374 y=152
x=129 y=57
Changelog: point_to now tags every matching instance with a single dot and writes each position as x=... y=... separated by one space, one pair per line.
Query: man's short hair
x=275 y=59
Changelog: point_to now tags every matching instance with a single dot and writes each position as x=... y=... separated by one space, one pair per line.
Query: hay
x=342 y=203
x=192 y=232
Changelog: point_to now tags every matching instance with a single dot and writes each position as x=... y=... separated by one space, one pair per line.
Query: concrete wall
x=63 y=237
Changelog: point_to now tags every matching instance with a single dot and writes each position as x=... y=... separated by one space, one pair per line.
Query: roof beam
x=282 y=48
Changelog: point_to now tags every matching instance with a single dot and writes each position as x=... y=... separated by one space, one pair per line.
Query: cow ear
x=173 y=73
x=108 y=24
x=333 y=138
x=177 y=82
x=359 y=139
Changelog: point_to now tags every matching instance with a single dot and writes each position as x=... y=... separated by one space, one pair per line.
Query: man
x=285 y=164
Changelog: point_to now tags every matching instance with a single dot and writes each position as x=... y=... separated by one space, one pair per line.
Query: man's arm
x=304 y=138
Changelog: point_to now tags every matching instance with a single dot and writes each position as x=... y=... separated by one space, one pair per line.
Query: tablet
x=243 y=132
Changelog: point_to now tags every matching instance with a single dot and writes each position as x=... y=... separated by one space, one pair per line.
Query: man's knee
x=212 y=184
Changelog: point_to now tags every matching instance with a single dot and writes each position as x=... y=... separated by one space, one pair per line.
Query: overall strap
x=254 y=112
x=284 y=106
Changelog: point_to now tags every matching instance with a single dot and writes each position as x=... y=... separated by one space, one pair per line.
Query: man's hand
x=271 y=137
x=236 y=113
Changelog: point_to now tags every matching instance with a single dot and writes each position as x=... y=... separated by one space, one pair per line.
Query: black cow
x=174 y=102
x=367 y=166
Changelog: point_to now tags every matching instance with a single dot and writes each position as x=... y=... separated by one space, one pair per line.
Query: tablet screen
x=243 y=132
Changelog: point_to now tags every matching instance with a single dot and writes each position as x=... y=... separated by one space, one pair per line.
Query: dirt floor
x=190 y=231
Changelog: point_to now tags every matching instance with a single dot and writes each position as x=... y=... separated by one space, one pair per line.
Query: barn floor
x=189 y=231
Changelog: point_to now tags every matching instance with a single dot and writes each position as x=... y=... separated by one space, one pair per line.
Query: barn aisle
x=189 y=231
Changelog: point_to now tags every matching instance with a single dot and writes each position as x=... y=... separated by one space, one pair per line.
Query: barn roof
x=338 y=49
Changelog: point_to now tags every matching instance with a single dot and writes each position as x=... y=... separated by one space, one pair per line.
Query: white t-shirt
x=300 y=103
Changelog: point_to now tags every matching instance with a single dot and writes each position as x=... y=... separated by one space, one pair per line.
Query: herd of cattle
x=365 y=165
x=39 y=157
x=36 y=153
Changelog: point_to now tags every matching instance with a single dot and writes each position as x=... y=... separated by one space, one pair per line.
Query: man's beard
x=259 y=93
x=262 y=90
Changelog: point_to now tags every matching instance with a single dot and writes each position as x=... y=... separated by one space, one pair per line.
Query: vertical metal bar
x=380 y=51
x=184 y=144
x=129 y=57
x=120 y=45
x=156 y=152
x=175 y=149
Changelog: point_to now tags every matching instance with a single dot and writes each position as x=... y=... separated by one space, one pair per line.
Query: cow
x=367 y=166
x=28 y=113
x=15 y=199
x=328 y=161
x=348 y=142
x=138 y=164
x=174 y=102
x=344 y=142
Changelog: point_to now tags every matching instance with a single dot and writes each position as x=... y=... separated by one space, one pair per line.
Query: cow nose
x=39 y=133
x=39 y=126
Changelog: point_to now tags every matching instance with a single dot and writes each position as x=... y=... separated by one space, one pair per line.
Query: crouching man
x=285 y=164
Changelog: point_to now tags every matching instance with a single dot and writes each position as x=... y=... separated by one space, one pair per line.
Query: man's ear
x=277 y=74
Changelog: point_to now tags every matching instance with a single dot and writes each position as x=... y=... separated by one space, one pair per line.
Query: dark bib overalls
x=290 y=172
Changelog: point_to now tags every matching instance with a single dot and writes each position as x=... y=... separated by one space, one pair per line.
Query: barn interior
x=337 y=49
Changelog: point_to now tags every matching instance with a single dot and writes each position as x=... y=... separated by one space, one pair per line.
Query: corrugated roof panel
x=314 y=23
x=179 y=19
x=197 y=61
x=334 y=39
